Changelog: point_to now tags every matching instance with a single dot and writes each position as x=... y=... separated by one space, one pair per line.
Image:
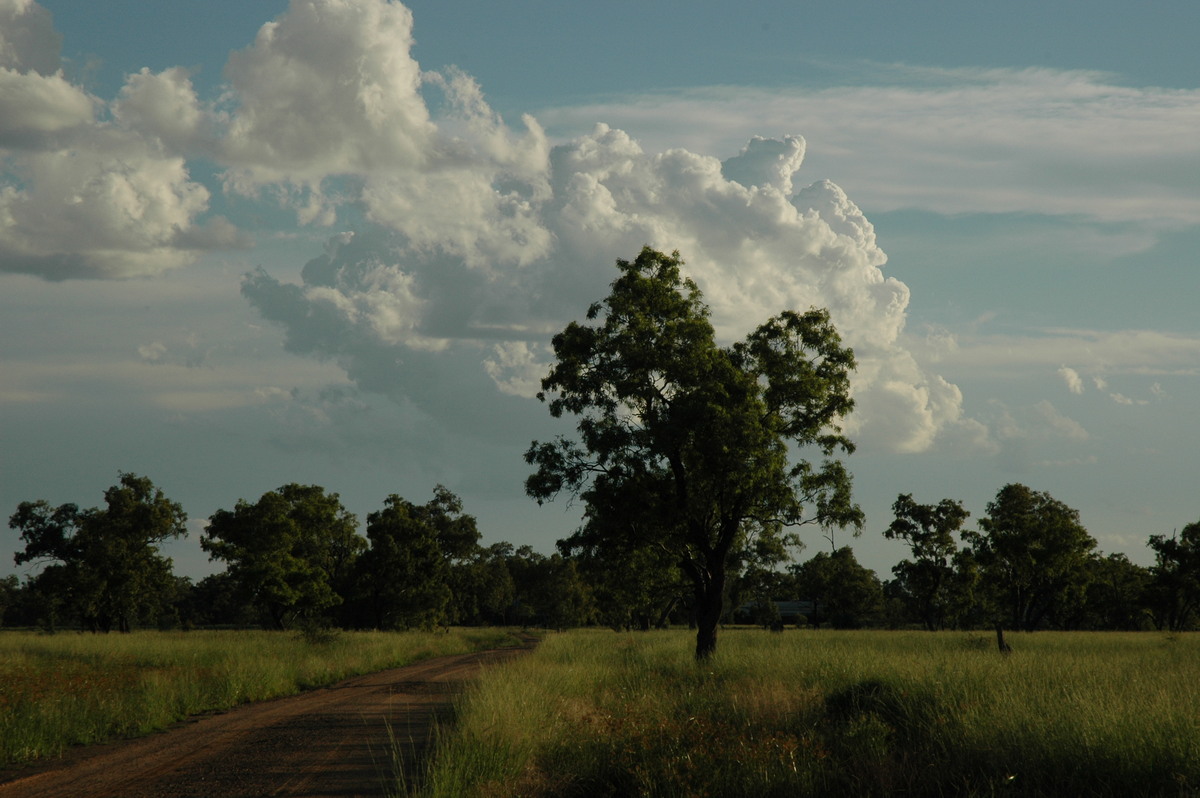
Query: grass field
x=66 y=689
x=594 y=713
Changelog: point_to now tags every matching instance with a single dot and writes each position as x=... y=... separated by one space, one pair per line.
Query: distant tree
x=755 y=583
x=288 y=552
x=217 y=600
x=174 y=609
x=1033 y=556
x=927 y=580
x=684 y=445
x=407 y=572
x=552 y=590
x=101 y=566
x=484 y=592
x=10 y=592
x=1173 y=592
x=846 y=593
x=633 y=587
x=1116 y=594
x=967 y=608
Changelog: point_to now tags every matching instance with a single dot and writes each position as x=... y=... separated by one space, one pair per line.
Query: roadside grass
x=593 y=713
x=69 y=689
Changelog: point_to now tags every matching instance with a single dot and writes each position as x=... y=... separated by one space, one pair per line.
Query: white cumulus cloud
x=954 y=140
x=475 y=240
x=1071 y=377
x=82 y=195
x=486 y=240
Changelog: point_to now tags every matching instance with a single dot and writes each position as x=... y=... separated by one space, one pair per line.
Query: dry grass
x=832 y=713
x=69 y=689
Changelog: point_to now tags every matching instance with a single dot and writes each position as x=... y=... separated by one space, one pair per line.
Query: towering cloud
x=486 y=240
x=474 y=241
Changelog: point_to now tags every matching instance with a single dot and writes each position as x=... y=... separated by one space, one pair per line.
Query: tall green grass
x=68 y=689
x=832 y=713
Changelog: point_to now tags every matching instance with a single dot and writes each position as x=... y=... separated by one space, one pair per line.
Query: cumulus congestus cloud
x=473 y=240
x=483 y=240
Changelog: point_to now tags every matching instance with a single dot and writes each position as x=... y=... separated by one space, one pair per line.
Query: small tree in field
x=684 y=446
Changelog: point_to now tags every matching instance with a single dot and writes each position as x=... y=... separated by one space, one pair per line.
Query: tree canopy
x=928 y=578
x=102 y=565
x=1174 y=589
x=1033 y=554
x=685 y=446
x=405 y=576
x=288 y=551
x=844 y=592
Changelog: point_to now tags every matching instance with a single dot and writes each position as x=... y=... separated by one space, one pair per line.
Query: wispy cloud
x=1096 y=352
x=1044 y=141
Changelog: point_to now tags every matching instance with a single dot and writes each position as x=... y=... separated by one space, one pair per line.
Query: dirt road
x=328 y=742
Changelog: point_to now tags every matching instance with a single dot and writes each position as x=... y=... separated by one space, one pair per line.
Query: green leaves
x=1033 y=553
x=683 y=445
x=104 y=562
x=805 y=373
x=286 y=550
x=405 y=577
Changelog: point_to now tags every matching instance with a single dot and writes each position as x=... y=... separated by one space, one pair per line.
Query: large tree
x=927 y=580
x=102 y=565
x=1033 y=555
x=290 y=553
x=685 y=446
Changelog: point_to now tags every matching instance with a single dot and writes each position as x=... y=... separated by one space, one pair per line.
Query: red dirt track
x=330 y=742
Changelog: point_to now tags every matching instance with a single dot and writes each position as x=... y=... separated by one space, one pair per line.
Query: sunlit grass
x=68 y=689
x=832 y=713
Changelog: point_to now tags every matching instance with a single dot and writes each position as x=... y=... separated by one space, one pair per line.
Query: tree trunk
x=1004 y=647
x=710 y=603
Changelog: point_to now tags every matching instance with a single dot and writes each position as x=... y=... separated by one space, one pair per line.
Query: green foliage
x=927 y=580
x=406 y=574
x=549 y=591
x=1033 y=556
x=847 y=594
x=682 y=444
x=484 y=589
x=288 y=552
x=1116 y=595
x=102 y=565
x=1174 y=589
x=10 y=590
x=631 y=587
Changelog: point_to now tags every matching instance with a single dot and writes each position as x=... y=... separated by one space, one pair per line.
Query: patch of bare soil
x=328 y=742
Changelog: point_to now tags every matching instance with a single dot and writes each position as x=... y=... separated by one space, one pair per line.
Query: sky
x=328 y=241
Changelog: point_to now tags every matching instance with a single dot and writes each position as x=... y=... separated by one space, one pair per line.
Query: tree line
x=295 y=558
x=1029 y=565
x=696 y=465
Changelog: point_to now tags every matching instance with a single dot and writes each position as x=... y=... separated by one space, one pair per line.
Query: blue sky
x=245 y=244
